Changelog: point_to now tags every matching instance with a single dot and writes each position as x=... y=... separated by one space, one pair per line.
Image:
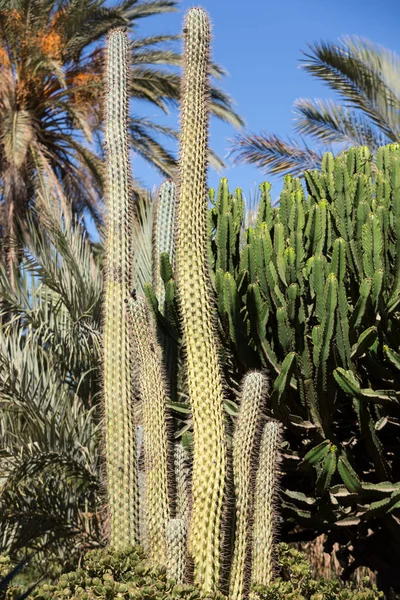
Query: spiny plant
x=313 y=296
x=120 y=445
x=187 y=522
x=204 y=376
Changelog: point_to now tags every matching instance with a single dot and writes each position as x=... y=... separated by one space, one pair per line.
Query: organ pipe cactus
x=246 y=435
x=184 y=509
x=157 y=455
x=262 y=558
x=120 y=446
x=204 y=375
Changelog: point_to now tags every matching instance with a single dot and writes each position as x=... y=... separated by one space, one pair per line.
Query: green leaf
x=379 y=396
x=328 y=469
x=392 y=356
x=300 y=497
x=283 y=380
x=347 y=381
x=348 y=475
x=364 y=342
x=318 y=453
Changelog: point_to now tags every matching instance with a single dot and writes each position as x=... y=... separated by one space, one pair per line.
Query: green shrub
x=128 y=575
x=294 y=581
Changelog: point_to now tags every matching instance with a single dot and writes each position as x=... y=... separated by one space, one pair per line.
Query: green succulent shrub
x=108 y=574
x=313 y=296
x=294 y=581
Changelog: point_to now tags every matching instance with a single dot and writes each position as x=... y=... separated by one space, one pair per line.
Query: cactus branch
x=203 y=370
x=120 y=445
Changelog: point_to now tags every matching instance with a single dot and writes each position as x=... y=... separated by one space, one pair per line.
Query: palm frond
x=273 y=154
x=331 y=123
x=360 y=72
x=143 y=238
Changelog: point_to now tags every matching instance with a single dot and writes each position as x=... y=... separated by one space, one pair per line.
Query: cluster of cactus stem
x=310 y=294
x=188 y=495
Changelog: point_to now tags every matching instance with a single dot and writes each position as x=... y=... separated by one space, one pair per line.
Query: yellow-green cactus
x=120 y=446
x=247 y=431
x=264 y=519
x=182 y=483
x=176 y=549
x=204 y=376
x=153 y=393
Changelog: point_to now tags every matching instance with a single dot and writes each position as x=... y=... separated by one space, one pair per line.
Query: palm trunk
x=15 y=212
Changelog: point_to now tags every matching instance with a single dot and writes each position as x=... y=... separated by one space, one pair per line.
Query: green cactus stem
x=204 y=376
x=164 y=240
x=247 y=430
x=153 y=393
x=176 y=548
x=120 y=445
x=264 y=519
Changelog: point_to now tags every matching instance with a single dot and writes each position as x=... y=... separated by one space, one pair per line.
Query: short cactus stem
x=176 y=550
x=204 y=376
x=182 y=479
x=153 y=393
x=247 y=430
x=264 y=519
x=120 y=445
x=163 y=237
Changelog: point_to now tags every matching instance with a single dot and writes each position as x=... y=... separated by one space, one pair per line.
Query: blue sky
x=259 y=43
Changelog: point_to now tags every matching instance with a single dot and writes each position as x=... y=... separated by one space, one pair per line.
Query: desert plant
x=314 y=298
x=207 y=525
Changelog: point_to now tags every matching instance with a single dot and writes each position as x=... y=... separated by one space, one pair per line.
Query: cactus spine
x=120 y=446
x=264 y=505
x=176 y=547
x=247 y=430
x=203 y=370
x=153 y=394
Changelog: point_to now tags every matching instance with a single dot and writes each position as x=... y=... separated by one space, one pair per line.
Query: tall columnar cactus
x=265 y=505
x=248 y=429
x=203 y=370
x=163 y=238
x=153 y=393
x=120 y=446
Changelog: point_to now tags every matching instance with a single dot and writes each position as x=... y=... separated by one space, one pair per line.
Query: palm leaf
x=331 y=123
x=273 y=154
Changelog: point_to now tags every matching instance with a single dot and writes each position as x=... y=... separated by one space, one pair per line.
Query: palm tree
x=51 y=494
x=50 y=346
x=366 y=78
x=50 y=91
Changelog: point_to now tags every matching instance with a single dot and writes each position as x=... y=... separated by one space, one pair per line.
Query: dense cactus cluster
x=310 y=296
x=186 y=495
